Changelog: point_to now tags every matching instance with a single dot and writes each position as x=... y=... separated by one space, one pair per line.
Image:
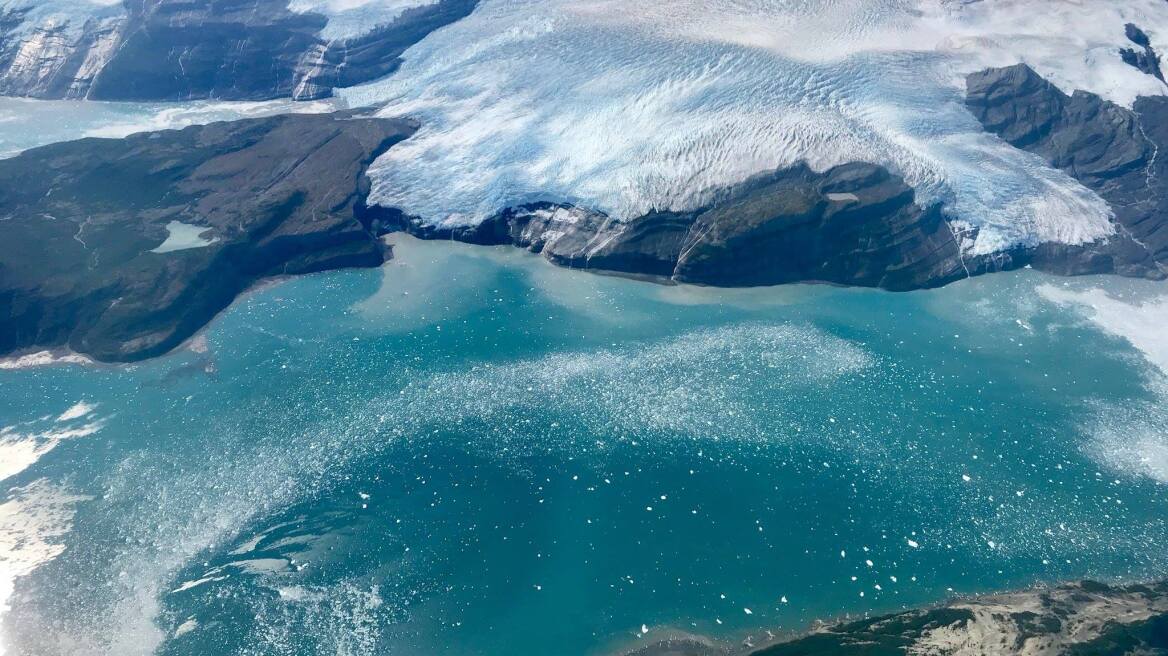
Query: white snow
x=632 y=105
x=351 y=18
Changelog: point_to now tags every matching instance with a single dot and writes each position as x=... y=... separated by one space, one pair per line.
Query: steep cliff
x=855 y=224
x=187 y=49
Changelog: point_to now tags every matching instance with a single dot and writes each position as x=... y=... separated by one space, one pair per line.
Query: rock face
x=188 y=49
x=80 y=224
x=1114 y=151
x=855 y=224
x=1144 y=58
x=1080 y=619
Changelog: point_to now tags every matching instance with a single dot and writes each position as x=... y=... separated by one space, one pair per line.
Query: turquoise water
x=470 y=451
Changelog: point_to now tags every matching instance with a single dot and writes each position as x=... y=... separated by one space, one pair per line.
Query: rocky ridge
x=84 y=258
x=1079 y=619
x=149 y=50
x=1110 y=149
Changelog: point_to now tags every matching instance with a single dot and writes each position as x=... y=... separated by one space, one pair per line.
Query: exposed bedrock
x=193 y=49
x=1079 y=619
x=854 y=224
x=1144 y=57
x=120 y=249
x=1114 y=151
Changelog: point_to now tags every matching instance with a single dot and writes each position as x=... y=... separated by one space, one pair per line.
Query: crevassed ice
x=69 y=14
x=629 y=105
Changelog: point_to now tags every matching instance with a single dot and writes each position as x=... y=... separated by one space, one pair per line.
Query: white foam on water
x=343 y=618
x=42 y=359
x=636 y=390
x=176 y=521
x=77 y=411
x=1133 y=441
x=1139 y=321
x=33 y=520
x=34 y=517
x=1131 y=437
x=633 y=105
x=24 y=444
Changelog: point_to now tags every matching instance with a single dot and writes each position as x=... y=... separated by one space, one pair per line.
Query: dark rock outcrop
x=79 y=222
x=1112 y=150
x=1079 y=619
x=1145 y=59
x=855 y=224
x=349 y=62
x=1083 y=618
x=188 y=49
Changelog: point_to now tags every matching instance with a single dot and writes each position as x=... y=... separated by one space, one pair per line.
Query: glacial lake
x=470 y=451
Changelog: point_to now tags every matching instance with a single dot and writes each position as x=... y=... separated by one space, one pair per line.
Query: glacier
x=348 y=19
x=633 y=105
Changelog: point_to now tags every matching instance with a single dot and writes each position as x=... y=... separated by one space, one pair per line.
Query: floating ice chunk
x=187 y=585
x=186 y=627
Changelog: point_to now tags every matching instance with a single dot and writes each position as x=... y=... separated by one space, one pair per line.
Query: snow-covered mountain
x=633 y=105
x=189 y=49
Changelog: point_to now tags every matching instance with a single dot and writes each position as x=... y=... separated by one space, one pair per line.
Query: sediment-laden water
x=470 y=451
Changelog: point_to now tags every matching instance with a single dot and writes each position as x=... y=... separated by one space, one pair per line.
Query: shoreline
x=1072 y=614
